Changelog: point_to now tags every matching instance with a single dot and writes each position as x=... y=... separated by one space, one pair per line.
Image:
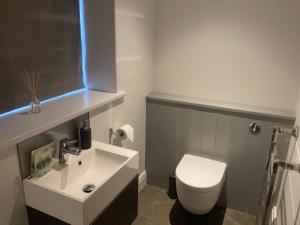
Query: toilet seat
x=200 y=174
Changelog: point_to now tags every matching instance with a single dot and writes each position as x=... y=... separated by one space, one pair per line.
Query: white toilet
x=199 y=182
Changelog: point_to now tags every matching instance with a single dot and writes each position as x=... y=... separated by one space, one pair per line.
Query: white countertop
x=19 y=127
x=225 y=106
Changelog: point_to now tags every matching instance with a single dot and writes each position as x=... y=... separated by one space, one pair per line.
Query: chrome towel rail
x=276 y=131
x=292 y=132
x=285 y=165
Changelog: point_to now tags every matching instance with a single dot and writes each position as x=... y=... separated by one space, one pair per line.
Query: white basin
x=59 y=193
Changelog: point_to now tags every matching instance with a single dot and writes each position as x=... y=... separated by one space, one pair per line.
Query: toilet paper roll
x=126 y=131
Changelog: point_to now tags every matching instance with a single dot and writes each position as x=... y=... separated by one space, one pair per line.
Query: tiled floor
x=155 y=206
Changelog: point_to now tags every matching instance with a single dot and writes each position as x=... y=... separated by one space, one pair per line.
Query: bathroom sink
x=78 y=191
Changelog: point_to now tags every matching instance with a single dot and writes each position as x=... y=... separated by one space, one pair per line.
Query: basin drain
x=88 y=188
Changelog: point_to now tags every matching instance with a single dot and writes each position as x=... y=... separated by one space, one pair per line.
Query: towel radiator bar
x=276 y=131
x=284 y=165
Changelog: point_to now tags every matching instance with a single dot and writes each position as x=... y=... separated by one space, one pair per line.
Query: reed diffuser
x=30 y=80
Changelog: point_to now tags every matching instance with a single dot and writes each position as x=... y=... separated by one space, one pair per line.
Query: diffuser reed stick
x=31 y=80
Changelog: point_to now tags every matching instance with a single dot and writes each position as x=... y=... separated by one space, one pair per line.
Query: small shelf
x=19 y=127
x=223 y=106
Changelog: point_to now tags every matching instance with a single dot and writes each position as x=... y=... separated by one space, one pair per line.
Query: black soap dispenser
x=86 y=135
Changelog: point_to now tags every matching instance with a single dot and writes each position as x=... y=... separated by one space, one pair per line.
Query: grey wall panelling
x=176 y=129
x=162 y=159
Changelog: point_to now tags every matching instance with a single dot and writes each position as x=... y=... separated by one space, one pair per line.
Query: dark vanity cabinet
x=121 y=211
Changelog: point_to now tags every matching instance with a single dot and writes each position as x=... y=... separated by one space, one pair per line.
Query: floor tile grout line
x=153 y=197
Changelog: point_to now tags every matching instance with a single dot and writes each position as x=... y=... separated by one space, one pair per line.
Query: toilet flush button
x=254 y=128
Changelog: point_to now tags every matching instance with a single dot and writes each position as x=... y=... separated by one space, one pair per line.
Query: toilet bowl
x=199 y=182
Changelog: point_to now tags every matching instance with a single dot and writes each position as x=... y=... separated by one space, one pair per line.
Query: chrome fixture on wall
x=254 y=128
x=67 y=146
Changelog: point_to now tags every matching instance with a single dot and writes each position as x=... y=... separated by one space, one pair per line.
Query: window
x=42 y=35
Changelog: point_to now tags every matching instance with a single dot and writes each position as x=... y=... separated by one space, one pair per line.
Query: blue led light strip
x=84 y=75
x=83 y=42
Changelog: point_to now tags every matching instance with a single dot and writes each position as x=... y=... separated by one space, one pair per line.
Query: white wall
x=238 y=51
x=12 y=201
x=135 y=45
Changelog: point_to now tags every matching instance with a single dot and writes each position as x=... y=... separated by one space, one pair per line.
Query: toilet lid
x=200 y=173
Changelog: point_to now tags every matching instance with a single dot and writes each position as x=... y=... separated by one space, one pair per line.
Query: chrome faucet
x=67 y=146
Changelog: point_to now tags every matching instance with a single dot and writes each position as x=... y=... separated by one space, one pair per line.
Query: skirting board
x=142 y=180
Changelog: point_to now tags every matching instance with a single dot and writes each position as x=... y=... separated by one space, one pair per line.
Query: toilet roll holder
x=121 y=134
x=118 y=133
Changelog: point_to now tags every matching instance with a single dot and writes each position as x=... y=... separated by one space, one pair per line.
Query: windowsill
x=19 y=127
